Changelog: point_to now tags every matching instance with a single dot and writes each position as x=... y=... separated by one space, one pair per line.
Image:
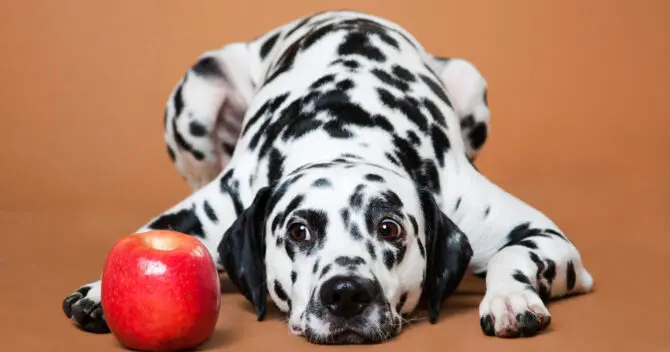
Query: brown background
x=580 y=126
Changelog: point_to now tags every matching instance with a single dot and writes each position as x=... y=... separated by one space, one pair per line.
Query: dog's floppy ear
x=448 y=253
x=242 y=252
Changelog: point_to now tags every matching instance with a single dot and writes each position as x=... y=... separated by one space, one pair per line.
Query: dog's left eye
x=298 y=232
x=389 y=229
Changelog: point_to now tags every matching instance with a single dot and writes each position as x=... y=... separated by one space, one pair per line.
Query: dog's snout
x=346 y=297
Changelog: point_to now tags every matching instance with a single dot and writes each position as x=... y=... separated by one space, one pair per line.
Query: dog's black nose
x=346 y=297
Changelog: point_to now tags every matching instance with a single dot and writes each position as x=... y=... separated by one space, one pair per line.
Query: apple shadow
x=218 y=339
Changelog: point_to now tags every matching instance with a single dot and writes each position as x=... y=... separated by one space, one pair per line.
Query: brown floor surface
x=580 y=129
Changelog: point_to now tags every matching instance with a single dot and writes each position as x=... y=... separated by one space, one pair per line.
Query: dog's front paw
x=84 y=308
x=517 y=314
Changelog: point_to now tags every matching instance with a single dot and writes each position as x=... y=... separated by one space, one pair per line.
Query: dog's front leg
x=525 y=258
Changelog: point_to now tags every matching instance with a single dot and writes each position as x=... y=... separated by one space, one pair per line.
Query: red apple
x=160 y=291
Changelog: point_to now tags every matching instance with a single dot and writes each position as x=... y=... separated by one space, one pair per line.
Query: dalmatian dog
x=331 y=164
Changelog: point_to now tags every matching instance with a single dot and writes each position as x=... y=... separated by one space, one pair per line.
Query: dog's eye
x=389 y=229
x=298 y=232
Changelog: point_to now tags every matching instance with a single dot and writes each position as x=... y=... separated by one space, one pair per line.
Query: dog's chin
x=348 y=336
x=343 y=337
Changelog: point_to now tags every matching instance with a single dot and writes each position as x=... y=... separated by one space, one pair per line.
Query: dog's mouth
x=348 y=336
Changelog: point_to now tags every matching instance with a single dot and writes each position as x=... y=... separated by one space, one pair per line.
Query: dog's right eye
x=298 y=232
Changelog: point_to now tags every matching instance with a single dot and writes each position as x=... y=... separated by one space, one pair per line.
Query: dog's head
x=345 y=249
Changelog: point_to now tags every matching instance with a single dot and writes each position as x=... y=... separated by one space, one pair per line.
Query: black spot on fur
x=184 y=221
x=171 y=154
x=571 y=276
x=322 y=81
x=349 y=261
x=356 y=198
x=207 y=67
x=254 y=119
x=322 y=183
x=467 y=122
x=315 y=35
x=401 y=302
x=280 y=241
x=325 y=270
x=403 y=73
x=544 y=292
x=550 y=271
x=285 y=62
x=357 y=43
x=441 y=143
x=294 y=204
x=275 y=103
x=383 y=122
x=392 y=159
x=436 y=88
x=178 y=100
x=315 y=268
x=458 y=203
x=299 y=25
x=520 y=277
x=435 y=112
x=290 y=250
x=478 y=135
x=181 y=142
x=210 y=212
x=423 y=172
x=355 y=232
x=374 y=178
x=402 y=249
x=345 y=85
x=413 y=138
x=389 y=259
x=523 y=232
x=279 y=291
x=555 y=233
x=371 y=250
x=528 y=243
x=336 y=130
x=372 y=27
x=404 y=105
x=390 y=80
x=352 y=65
x=294 y=276
x=415 y=225
x=275 y=166
x=345 y=216
x=230 y=187
x=277 y=221
x=268 y=45
x=487 y=211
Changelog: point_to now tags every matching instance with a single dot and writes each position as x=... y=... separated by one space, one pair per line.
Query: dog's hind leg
x=467 y=90
x=205 y=111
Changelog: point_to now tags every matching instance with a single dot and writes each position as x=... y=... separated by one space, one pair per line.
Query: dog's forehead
x=348 y=184
x=344 y=191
